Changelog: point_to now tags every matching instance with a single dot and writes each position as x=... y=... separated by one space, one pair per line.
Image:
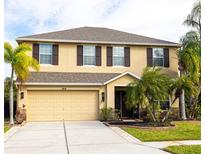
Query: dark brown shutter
x=127 y=56
x=109 y=56
x=55 y=54
x=35 y=52
x=98 y=55
x=79 y=55
x=166 y=57
x=149 y=57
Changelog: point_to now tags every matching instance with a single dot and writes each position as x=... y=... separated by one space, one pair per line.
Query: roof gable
x=121 y=75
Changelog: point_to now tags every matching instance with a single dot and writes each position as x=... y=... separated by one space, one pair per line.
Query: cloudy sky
x=159 y=18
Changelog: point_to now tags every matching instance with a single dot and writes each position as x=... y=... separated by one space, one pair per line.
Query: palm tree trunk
x=170 y=109
x=182 y=110
x=193 y=109
x=11 y=108
x=182 y=106
x=190 y=106
x=152 y=115
x=195 y=102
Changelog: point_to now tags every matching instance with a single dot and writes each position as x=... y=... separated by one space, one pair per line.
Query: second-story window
x=45 y=53
x=118 y=56
x=89 y=55
x=158 y=57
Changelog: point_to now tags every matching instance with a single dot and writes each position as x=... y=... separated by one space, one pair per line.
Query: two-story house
x=85 y=69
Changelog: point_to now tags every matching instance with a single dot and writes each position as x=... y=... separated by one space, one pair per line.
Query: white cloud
x=159 y=18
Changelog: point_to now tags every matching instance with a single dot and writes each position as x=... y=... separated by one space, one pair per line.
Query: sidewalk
x=159 y=145
x=164 y=144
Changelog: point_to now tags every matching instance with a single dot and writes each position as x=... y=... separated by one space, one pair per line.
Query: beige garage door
x=58 y=105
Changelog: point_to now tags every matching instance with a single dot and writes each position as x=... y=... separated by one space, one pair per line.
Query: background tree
x=20 y=63
x=194 y=18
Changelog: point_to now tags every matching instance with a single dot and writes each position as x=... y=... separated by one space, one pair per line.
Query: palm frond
x=22 y=48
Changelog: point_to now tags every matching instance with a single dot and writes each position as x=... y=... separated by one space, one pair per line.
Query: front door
x=120 y=104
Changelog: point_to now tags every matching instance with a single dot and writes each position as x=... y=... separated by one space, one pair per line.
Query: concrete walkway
x=164 y=144
x=90 y=137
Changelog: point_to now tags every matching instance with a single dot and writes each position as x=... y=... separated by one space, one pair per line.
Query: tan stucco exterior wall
x=108 y=89
x=138 y=61
x=68 y=63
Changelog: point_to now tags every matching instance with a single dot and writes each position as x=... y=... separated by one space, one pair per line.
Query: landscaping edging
x=126 y=135
x=139 y=126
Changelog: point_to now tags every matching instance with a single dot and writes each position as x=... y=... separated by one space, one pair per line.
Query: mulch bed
x=138 y=124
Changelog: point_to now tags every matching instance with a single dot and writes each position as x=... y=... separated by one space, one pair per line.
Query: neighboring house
x=85 y=69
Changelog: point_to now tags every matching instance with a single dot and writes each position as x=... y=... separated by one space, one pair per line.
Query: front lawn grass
x=6 y=125
x=184 y=149
x=6 y=128
x=184 y=130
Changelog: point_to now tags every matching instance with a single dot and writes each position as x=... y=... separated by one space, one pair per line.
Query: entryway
x=120 y=104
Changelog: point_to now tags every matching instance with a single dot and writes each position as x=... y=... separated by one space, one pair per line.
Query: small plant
x=109 y=114
x=105 y=113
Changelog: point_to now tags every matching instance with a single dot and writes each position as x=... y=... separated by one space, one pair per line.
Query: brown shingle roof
x=96 y=35
x=65 y=77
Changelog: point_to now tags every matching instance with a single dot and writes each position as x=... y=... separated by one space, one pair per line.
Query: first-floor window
x=158 y=57
x=164 y=104
x=118 y=56
x=89 y=55
x=45 y=53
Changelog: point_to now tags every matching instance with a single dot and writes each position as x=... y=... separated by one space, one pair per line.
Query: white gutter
x=100 y=42
x=59 y=84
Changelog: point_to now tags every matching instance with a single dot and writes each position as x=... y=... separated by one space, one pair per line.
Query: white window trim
x=45 y=54
x=89 y=65
x=157 y=57
x=118 y=66
x=46 y=65
x=86 y=65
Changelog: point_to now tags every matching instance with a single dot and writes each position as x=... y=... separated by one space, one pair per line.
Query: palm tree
x=194 y=18
x=152 y=86
x=189 y=64
x=176 y=88
x=20 y=63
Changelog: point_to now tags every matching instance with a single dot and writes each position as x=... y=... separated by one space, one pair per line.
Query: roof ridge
x=77 y=72
x=88 y=34
x=49 y=32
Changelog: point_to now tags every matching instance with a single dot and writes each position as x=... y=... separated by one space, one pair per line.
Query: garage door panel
x=58 y=105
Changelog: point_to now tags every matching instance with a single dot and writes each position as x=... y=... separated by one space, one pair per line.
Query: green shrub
x=109 y=114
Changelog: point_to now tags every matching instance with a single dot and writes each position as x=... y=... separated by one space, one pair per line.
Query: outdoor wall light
x=102 y=96
x=22 y=95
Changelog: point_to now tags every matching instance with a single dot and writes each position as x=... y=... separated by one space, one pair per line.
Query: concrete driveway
x=89 y=137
